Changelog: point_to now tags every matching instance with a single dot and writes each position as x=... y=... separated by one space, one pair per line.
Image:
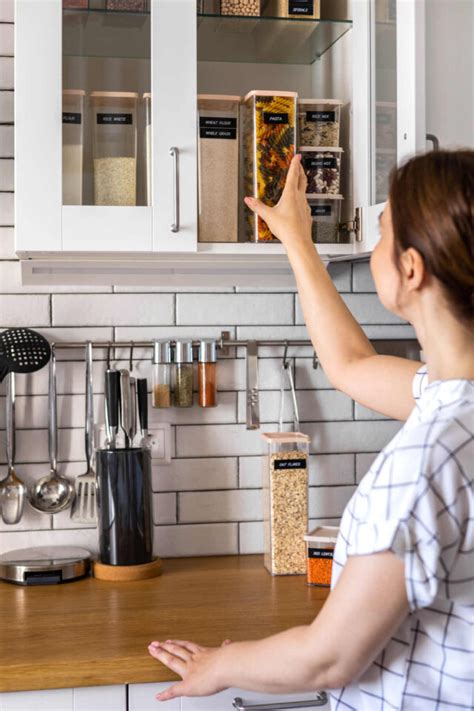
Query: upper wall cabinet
x=134 y=147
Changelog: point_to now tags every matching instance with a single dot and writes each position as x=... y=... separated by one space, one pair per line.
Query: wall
x=208 y=500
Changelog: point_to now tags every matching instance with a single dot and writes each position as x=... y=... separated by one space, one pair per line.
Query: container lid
x=323 y=534
x=73 y=92
x=266 y=92
x=219 y=102
x=147 y=95
x=315 y=197
x=329 y=102
x=114 y=94
x=207 y=351
x=184 y=352
x=320 y=149
x=162 y=352
x=282 y=437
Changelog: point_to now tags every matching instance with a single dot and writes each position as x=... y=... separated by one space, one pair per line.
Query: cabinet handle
x=174 y=152
x=320 y=699
x=434 y=140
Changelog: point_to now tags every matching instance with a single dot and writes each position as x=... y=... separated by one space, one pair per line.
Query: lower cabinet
x=87 y=698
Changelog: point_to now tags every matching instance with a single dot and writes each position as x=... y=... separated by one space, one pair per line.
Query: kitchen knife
x=112 y=396
x=125 y=410
x=142 y=393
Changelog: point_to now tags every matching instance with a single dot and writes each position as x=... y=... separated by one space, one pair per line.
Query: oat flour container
x=323 y=170
x=114 y=147
x=285 y=502
x=326 y=217
x=218 y=167
x=319 y=122
x=73 y=145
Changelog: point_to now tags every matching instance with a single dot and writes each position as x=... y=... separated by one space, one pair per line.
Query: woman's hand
x=197 y=666
x=290 y=219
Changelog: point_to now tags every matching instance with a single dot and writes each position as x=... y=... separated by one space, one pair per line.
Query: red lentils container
x=320 y=545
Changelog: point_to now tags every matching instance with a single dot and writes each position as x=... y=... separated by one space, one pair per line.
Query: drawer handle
x=320 y=699
x=174 y=152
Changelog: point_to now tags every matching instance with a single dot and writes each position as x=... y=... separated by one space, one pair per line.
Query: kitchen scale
x=48 y=565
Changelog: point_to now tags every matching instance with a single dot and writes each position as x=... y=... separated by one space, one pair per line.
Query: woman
x=396 y=631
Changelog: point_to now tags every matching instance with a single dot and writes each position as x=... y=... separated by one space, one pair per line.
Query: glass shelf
x=273 y=40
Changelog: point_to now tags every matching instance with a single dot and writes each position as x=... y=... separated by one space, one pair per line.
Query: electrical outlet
x=159 y=441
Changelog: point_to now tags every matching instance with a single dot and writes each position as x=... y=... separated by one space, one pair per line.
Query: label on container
x=210 y=127
x=289 y=464
x=321 y=210
x=301 y=7
x=317 y=116
x=320 y=553
x=279 y=119
x=319 y=163
x=69 y=117
x=115 y=119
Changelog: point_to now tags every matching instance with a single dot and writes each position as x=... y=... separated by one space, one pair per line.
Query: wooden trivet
x=126 y=573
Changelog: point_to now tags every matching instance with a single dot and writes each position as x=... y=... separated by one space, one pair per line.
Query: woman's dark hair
x=432 y=205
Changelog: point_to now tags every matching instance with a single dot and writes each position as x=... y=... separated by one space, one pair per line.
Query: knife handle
x=142 y=394
x=112 y=392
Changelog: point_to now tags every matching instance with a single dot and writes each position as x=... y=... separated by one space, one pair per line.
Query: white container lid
x=73 y=92
x=328 y=102
x=323 y=534
x=283 y=437
x=266 y=92
x=314 y=197
x=320 y=149
x=114 y=94
x=217 y=102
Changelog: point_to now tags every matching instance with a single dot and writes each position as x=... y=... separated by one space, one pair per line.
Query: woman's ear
x=412 y=268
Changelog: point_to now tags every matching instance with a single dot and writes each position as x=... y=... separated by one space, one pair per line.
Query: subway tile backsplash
x=208 y=500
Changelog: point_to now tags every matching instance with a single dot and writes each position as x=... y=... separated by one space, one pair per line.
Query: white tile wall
x=208 y=501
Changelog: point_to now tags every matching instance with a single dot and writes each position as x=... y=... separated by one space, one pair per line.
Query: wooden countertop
x=91 y=632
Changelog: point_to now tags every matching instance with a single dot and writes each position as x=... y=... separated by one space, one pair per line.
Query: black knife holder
x=125 y=506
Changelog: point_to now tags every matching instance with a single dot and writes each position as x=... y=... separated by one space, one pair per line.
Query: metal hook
x=131 y=356
x=315 y=361
x=285 y=362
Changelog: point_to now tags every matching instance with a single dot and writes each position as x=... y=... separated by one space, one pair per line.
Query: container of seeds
x=240 y=7
x=323 y=170
x=326 y=217
x=269 y=146
x=305 y=9
x=218 y=167
x=320 y=545
x=114 y=116
x=319 y=122
x=73 y=145
x=285 y=501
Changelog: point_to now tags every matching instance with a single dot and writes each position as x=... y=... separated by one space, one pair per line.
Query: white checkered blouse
x=417 y=500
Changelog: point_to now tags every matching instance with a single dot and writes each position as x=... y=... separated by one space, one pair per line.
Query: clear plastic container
x=115 y=147
x=386 y=124
x=75 y=4
x=207 y=367
x=285 y=502
x=241 y=7
x=73 y=145
x=147 y=100
x=183 y=374
x=385 y=161
x=127 y=5
x=319 y=122
x=326 y=215
x=162 y=373
x=304 y=9
x=323 y=170
x=218 y=167
x=269 y=145
x=320 y=545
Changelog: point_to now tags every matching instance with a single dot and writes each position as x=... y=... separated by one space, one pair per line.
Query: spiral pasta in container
x=269 y=145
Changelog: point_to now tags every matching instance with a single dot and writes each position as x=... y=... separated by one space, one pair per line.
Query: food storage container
x=319 y=122
x=305 y=9
x=386 y=124
x=73 y=145
x=320 y=545
x=147 y=100
x=323 y=170
x=183 y=373
x=326 y=216
x=240 y=7
x=114 y=116
x=285 y=501
x=218 y=167
x=207 y=366
x=127 y=5
x=162 y=373
x=75 y=4
x=385 y=160
x=269 y=146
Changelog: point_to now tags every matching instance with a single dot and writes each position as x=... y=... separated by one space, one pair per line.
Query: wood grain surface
x=92 y=632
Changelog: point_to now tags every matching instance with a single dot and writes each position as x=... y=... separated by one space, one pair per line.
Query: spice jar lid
x=162 y=352
x=184 y=352
x=207 y=351
x=323 y=534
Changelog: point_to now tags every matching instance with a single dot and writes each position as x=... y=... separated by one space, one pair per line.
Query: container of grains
x=218 y=167
x=147 y=100
x=320 y=545
x=269 y=145
x=305 y=9
x=240 y=7
x=326 y=216
x=183 y=374
x=285 y=501
x=162 y=373
x=127 y=5
x=319 y=122
x=75 y=4
x=73 y=145
x=114 y=116
x=323 y=170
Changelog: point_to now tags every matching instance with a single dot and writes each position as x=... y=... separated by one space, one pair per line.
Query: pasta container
x=386 y=125
x=319 y=122
x=323 y=170
x=326 y=216
x=320 y=545
x=73 y=145
x=285 y=502
x=269 y=146
x=115 y=147
x=241 y=7
x=218 y=168
x=305 y=9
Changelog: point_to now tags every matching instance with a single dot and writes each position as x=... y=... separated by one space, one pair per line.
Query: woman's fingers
x=171 y=692
x=171 y=661
x=178 y=650
x=190 y=646
x=302 y=179
x=293 y=173
x=258 y=207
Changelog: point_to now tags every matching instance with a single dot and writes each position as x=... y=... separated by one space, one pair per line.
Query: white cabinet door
x=141 y=697
x=223 y=701
x=48 y=700
x=100 y=698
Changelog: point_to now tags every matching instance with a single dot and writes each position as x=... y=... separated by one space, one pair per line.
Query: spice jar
x=218 y=167
x=285 y=502
x=115 y=147
x=162 y=369
x=319 y=122
x=183 y=374
x=326 y=218
x=207 y=367
x=320 y=545
x=323 y=170
x=306 y=9
x=73 y=145
x=269 y=145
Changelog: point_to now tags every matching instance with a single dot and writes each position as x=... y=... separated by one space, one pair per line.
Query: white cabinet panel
x=100 y=698
x=141 y=697
x=223 y=701
x=48 y=700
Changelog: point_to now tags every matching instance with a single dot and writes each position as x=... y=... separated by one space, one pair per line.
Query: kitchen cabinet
x=374 y=63
x=92 y=698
